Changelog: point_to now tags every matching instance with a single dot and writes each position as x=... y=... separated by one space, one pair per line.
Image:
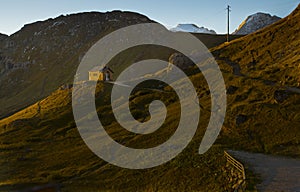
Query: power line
x=228 y=19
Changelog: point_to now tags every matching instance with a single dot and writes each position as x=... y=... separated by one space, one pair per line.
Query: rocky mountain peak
x=2 y=36
x=255 y=22
x=44 y=55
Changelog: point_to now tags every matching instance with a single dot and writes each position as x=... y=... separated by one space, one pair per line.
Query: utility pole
x=228 y=24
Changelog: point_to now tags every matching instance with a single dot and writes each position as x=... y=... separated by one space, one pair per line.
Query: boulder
x=240 y=119
x=280 y=95
x=180 y=60
x=231 y=90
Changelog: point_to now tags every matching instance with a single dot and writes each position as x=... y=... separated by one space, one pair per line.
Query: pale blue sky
x=209 y=13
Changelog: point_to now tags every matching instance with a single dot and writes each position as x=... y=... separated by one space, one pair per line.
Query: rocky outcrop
x=180 y=60
x=2 y=37
x=255 y=22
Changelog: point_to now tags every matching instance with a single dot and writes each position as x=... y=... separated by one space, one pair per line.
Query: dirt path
x=236 y=70
x=278 y=174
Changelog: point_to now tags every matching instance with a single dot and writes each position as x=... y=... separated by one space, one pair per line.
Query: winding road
x=236 y=70
x=278 y=174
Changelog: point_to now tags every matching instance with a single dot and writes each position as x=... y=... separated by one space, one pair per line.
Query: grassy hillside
x=262 y=71
x=41 y=144
x=210 y=40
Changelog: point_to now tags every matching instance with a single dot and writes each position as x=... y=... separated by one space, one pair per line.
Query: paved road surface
x=278 y=174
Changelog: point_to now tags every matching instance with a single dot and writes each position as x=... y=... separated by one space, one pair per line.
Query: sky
x=208 y=13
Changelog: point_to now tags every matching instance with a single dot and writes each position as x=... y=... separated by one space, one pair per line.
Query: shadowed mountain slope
x=41 y=144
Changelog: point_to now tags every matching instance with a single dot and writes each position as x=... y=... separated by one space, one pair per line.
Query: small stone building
x=101 y=74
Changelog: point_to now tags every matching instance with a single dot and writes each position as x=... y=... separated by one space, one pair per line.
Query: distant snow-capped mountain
x=255 y=22
x=192 y=28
